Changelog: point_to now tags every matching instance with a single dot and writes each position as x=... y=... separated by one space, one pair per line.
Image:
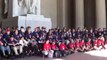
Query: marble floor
x=92 y=55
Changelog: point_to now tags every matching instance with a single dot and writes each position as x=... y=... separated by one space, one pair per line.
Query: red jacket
x=81 y=44
x=99 y=42
x=62 y=47
x=71 y=45
x=54 y=47
x=47 y=46
x=95 y=43
x=88 y=43
x=77 y=44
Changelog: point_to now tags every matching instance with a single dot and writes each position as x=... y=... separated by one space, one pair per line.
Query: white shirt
x=23 y=42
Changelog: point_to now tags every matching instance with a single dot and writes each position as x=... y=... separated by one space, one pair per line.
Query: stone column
x=100 y=14
x=79 y=9
x=64 y=12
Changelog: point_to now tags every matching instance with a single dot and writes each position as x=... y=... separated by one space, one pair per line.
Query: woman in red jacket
x=63 y=49
x=55 y=48
x=47 y=46
x=82 y=45
x=77 y=46
x=71 y=46
x=88 y=45
x=47 y=49
x=100 y=43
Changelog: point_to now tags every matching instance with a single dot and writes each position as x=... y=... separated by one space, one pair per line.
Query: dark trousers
x=63 y=52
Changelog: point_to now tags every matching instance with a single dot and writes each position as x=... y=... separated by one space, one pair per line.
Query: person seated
x=55 y=48
x=47 y=49
x=22 y=32
x=82 y=45
x=33 y=45
x=36 y=34
x=100 y=43
x=4 y=47
x=63 y=48
x=14 y=45
x=88 y=45
x=95 y=47
x=77 y=46
x=23 y=44
x=16 y=35
x=28 y=33
x=71 y=46
x=7 y=34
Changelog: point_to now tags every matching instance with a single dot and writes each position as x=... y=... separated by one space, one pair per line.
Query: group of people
x=54 y=43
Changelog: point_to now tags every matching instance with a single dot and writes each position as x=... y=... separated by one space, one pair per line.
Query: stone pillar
x=79 y=9
x=64 y=12
x=100 y=14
